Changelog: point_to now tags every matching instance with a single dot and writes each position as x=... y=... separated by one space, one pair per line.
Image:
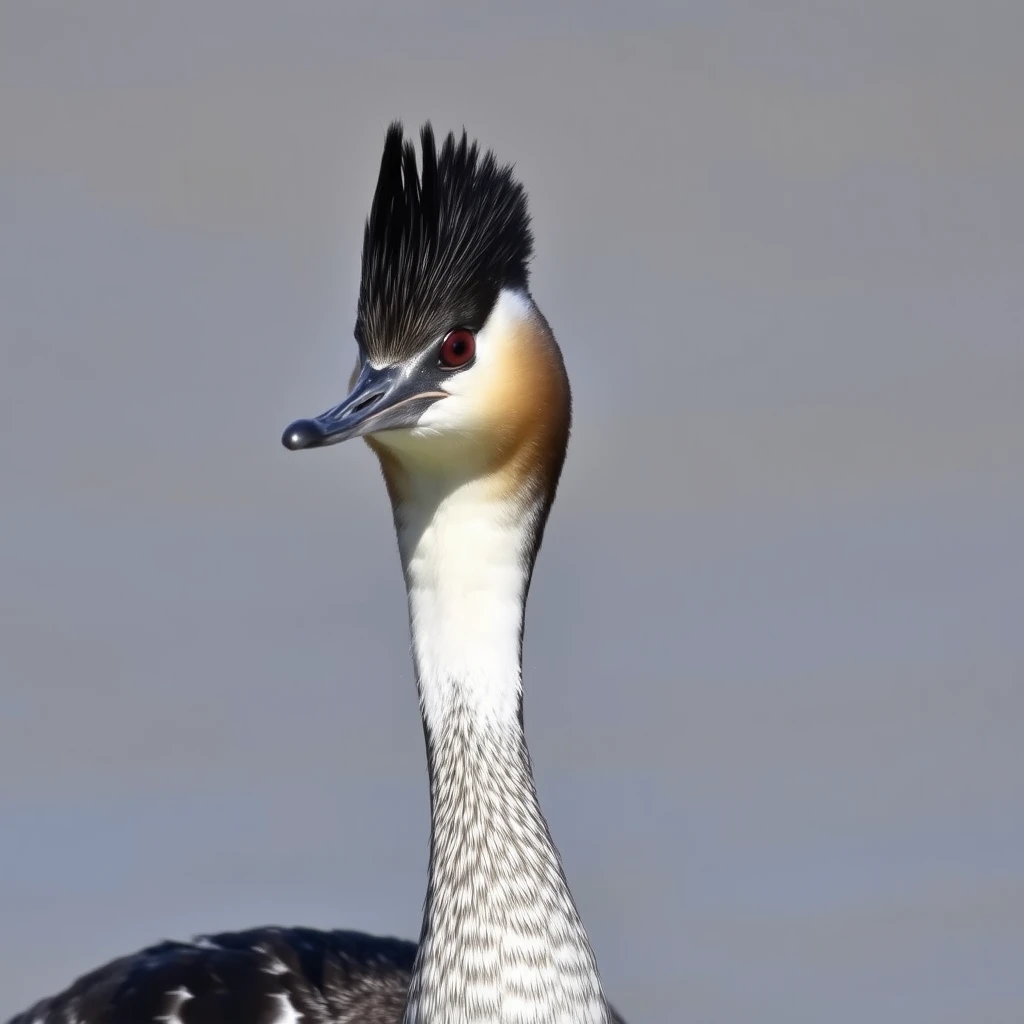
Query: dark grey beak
x=386 y=399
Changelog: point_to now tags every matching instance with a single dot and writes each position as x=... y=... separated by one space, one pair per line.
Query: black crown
x=440 y=243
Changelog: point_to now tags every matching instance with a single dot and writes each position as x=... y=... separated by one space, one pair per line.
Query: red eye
x=457 y=349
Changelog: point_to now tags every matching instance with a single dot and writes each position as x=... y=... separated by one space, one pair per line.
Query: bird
x=460 y=390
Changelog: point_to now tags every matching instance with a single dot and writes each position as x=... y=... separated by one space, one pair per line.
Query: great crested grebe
x=461 y=392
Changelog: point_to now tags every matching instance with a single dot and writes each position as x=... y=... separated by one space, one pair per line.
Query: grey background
x=775 y=651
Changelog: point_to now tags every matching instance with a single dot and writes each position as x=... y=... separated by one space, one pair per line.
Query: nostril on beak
x=366 y=402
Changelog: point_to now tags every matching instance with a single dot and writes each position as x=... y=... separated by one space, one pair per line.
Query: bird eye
x=457 y=349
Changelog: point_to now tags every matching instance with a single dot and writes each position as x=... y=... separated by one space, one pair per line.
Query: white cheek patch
x=444 y=416
x=474 y=389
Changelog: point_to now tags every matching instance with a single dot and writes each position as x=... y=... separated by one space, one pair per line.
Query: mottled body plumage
x=260 y=976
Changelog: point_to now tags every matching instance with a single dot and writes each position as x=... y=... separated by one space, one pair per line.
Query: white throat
x=465 y=556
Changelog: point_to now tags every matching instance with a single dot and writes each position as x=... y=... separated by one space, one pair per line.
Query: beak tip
x=302 y=434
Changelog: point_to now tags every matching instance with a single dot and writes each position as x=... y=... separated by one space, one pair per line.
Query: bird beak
x=386 y=399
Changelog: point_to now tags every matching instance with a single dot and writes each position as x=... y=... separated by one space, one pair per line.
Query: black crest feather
x=441 y=241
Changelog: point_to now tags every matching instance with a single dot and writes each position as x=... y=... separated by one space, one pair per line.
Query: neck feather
x=502 y=941
x=467 y=561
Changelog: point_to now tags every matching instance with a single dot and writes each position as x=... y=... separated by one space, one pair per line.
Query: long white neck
x=502 y=942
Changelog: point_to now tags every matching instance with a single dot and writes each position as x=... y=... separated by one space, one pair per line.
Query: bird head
x=458 y=376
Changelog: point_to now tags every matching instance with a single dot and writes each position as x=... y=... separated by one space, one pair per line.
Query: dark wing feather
x=261 y=976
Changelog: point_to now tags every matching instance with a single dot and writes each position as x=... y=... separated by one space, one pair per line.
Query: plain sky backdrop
x=775 y=648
